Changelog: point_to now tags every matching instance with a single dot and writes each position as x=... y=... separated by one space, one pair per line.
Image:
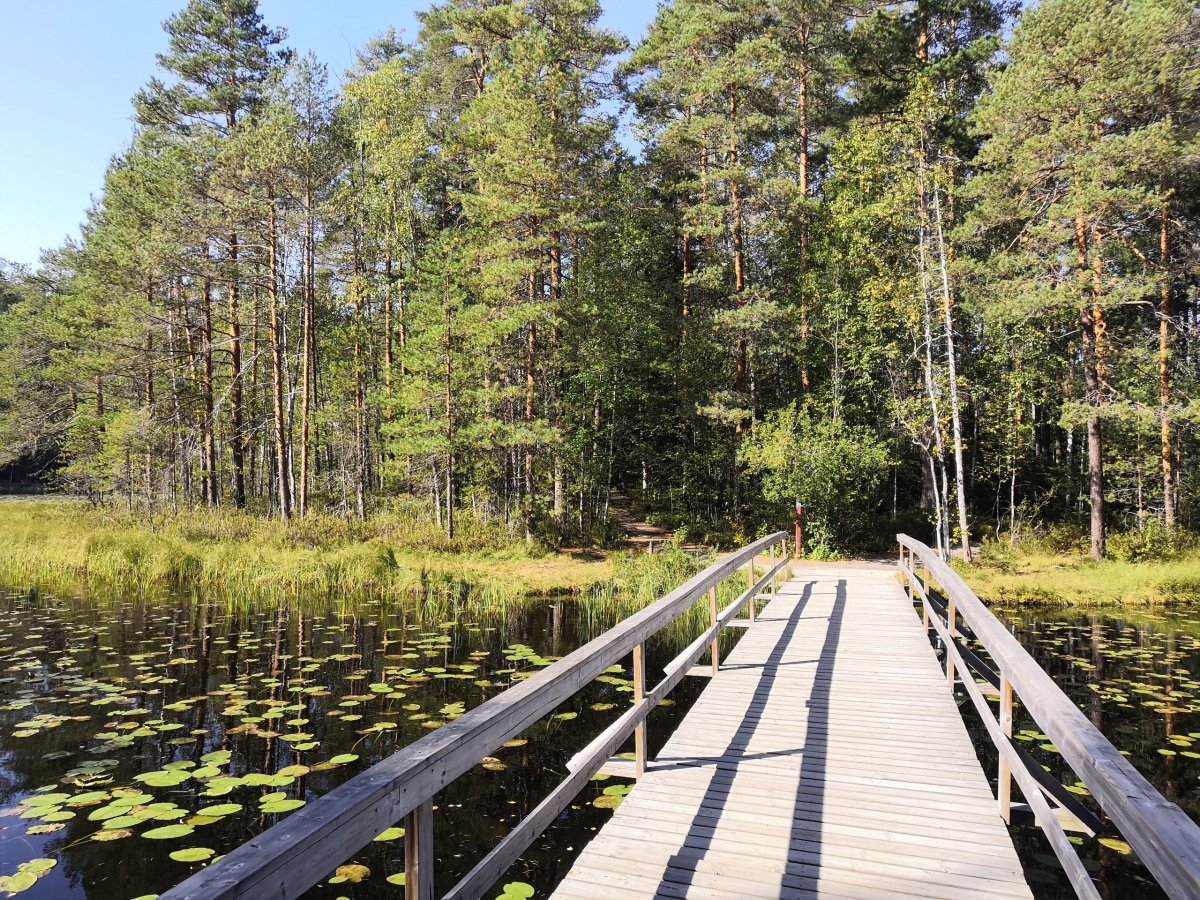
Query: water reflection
x=1137 y=677
x=211 y=721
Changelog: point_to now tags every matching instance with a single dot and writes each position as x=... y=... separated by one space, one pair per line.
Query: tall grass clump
x=65 y=544
x=1153 y=566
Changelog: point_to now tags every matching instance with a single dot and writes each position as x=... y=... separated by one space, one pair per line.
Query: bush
x=1152 y=542
x=831 y=467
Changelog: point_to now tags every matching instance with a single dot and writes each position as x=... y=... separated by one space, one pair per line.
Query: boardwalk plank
x=825 y=759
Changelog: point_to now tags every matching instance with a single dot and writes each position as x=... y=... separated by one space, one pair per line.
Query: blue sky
x=70 y=67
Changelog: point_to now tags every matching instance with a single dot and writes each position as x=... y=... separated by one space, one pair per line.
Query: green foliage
x=445 y=296
x=830 y=467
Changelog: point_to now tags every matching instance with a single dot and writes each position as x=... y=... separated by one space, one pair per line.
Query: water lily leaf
x=111 y=834
x=167 y=832
x=294 y=771
x=38 y=866
x=14 y=884
x=343 y=758
x=398 y=878
x=282 y=806
x=1116 y=844
x=220 y=809
x=192 y=854
x=390 y=834
x=352 y=872
x=516 y=890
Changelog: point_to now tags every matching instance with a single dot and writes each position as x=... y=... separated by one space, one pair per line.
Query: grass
x=61 y=545
x=1038 y=576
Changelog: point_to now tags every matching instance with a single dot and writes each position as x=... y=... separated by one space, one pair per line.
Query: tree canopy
x=877 y=259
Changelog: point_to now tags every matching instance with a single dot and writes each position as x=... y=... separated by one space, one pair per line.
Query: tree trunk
x=306 y=377
x=530 y=405
x=1092 y=354
x=236 y=438
x=1164 y=372
x=360 y=409
x=211 y=483
x=952 y=372
x=802 y=177
x=450 y=460
x=277 y=372
x=739 y=257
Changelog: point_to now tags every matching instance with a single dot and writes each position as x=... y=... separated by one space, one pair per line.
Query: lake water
x=139 y=739
x=1137 y=677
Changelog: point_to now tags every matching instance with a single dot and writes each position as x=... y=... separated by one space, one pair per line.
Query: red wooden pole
x=799 y=529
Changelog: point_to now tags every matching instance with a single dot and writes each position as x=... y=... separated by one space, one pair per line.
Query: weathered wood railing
x=1163 y=836
x=295 y=854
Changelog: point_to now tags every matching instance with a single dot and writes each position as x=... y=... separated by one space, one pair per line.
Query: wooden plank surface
x=825 y=759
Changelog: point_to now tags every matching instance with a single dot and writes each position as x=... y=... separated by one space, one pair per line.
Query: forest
x=930 y=265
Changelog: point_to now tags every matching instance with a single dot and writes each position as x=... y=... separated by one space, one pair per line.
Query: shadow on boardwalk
x=699 y=839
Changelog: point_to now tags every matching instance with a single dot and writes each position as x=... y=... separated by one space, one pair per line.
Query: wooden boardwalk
x=827 y=758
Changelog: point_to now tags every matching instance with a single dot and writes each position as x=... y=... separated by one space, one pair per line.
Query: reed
x=1036 y=576
x=63 y=545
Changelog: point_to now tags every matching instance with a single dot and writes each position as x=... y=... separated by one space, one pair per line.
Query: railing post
x=418 y=853
x=639 y=693
x=716 y=641
x=773 y=574
x=750 y=586
x=952 y=632
x=799 y=530
x=1004 y=781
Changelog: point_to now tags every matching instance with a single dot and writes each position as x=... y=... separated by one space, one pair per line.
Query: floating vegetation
x=175 y=729
x=1137 y=678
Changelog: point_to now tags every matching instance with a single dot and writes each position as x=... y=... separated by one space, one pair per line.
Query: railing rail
x=292 y=856
x=1163 y=836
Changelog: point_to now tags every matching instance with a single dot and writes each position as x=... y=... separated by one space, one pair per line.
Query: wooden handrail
x=1163 y=836
x=290 y=857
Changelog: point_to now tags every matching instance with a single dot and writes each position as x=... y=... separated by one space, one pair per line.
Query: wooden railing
x=295 y=854
x=1163 y=836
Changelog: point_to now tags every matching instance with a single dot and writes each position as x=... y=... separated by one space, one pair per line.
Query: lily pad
x=281 y=806
x=192 y=854
x=111 y=834
x=352 y=872
x=167 y=832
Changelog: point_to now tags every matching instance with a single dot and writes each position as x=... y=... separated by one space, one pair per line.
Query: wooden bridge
x=826 y=757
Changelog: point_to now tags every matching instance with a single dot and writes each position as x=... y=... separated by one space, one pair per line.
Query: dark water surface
x=119 y=719
x=228 y=706
x=1137 y=678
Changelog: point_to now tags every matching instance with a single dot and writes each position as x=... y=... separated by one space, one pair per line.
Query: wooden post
x=799 y=529
x=750 y=586
x=912 y=560
x=639 y=693
x=773 y=575
x=716 y=641
x=951 y=631
x=1004 y=782
x=418 y=853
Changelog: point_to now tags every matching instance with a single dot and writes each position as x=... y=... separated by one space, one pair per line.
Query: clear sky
x=69 y=68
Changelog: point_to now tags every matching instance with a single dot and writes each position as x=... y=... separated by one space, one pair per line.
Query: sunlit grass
x=1036 y=576
x=61 y=544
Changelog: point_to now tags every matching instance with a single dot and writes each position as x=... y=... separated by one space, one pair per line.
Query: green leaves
x=168 y=832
